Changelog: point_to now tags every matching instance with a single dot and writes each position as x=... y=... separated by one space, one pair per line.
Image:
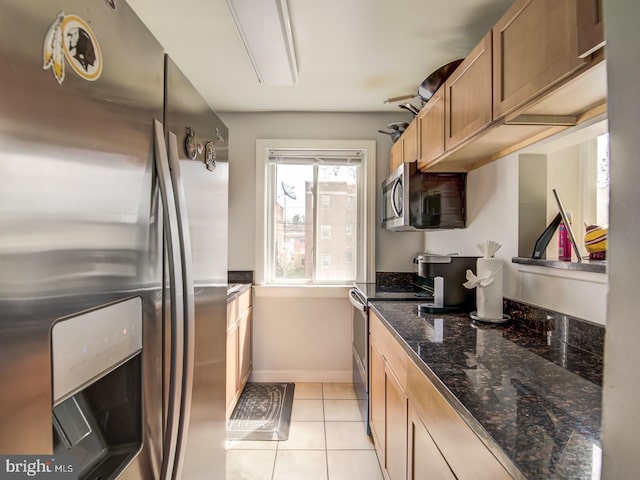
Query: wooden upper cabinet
x=590 y=27
x=410 y=143
x=467 y=95
x=534 y=47
x=395 y=156
x=431 y=129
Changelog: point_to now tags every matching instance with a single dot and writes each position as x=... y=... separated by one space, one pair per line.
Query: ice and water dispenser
x=97 y=388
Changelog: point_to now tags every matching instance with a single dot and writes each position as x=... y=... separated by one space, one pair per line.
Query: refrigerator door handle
x=189 y=303
x=176 y=369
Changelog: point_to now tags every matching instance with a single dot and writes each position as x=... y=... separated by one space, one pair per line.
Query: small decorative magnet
x=190 y=144
x=210 y=155
x=199 y=148
x=70 y=38
x=219 y=135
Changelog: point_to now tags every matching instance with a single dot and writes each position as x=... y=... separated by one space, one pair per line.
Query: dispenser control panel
x=89 y=345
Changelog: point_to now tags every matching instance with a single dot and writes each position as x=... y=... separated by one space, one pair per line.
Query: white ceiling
x=352 y=54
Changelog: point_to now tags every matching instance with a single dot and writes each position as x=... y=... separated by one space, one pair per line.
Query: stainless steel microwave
x=412 y=200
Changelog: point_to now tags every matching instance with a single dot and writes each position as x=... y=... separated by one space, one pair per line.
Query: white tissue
x=488 y=248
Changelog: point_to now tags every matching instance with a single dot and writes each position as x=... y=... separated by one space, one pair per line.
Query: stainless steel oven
x=361 y=352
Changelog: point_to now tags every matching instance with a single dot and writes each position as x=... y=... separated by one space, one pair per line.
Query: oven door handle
x=354 y=298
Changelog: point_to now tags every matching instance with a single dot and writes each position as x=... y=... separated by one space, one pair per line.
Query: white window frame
x=325 y=232
x=367 y=192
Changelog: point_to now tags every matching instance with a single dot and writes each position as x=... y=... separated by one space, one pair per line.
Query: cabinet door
x=232 y=367
x=590 y=27
x=424 y=459
x=468 y=95
x=377 y=399
x=396 y=428
x=244 y=348
x=431 y=130
x=534 y=47
x=410 y=143
x=395 y=155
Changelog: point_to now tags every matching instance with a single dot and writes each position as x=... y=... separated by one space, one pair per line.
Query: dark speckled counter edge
x=471 y=421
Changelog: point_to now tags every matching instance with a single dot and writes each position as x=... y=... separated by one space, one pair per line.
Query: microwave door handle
x=397 y=211
x=353 y=299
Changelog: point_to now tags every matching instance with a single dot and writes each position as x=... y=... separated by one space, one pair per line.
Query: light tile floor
x=327 y=441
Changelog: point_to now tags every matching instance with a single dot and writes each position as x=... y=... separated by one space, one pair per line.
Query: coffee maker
x=445 y=274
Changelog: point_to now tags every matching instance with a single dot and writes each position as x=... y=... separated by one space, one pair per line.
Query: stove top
x=400 y=291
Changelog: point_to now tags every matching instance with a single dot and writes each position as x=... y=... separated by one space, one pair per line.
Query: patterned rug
x=263 y=412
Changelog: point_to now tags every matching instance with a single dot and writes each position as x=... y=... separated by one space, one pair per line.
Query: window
x=312 y=196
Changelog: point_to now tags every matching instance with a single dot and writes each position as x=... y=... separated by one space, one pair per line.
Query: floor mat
x=263 y=412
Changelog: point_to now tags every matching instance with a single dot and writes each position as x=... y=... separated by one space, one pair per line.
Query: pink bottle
x=564 y=244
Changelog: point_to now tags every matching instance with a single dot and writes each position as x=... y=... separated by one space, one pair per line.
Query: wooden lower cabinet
x=239 y=353
x=424 y=460
x=416 y=432
x=245 y=358
x=396 y=428
x=232 y=369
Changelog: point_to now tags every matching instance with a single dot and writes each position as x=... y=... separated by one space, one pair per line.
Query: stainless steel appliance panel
x=360 y=348
x=77 y=205
x=206 y=195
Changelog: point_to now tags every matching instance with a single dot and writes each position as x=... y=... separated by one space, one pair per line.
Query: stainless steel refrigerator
x=106 y=353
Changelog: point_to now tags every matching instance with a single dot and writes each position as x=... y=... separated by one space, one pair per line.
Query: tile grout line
x=324 y=425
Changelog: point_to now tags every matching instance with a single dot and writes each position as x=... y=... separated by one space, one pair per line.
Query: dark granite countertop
x=534 y=400
x=234 y=290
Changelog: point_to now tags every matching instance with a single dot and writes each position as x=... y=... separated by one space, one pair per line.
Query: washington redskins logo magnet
x=70 y=39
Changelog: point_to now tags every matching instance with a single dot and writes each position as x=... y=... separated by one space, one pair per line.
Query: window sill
x=592 y=266
x=302 y=291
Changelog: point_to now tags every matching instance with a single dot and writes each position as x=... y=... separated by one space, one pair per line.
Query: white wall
x=492 y=202
x=301 y=337
x=621 y=391
x=303 y=334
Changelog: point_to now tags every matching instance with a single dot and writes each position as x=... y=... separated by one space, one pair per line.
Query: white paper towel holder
x=505 y=318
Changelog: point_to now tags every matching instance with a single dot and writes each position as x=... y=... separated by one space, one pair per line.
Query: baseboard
x=302 y=376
